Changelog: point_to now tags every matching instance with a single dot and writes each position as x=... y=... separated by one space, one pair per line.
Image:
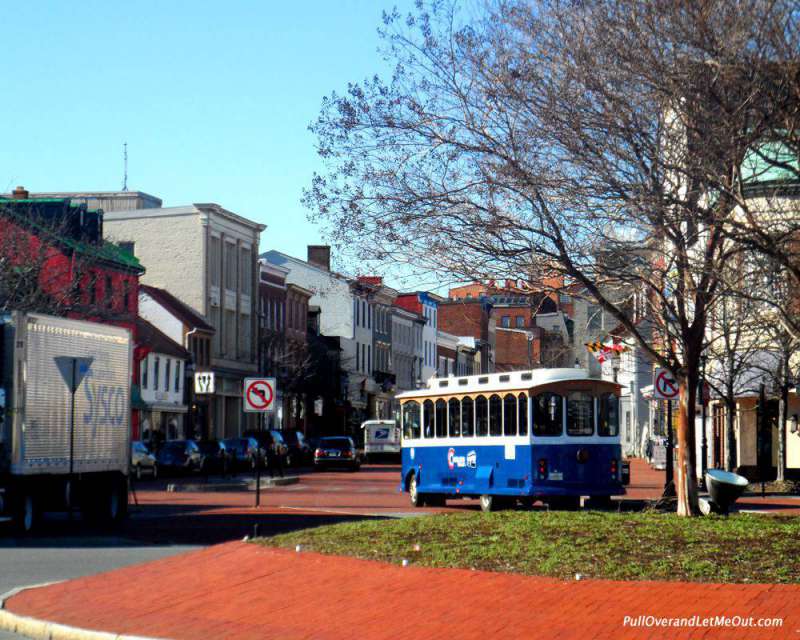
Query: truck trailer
x=65 y=405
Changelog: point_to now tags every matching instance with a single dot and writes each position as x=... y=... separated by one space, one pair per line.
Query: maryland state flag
x=603 y=352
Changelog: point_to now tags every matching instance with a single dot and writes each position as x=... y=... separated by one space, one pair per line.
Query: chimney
x=320 y=255
x=20 y=193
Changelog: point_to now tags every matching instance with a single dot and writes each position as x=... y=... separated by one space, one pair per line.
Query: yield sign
x=664 y=385
x=259 y=394
x=73 y=370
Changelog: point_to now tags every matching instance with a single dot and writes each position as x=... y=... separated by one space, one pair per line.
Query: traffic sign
x=204 y=382
x=664 y=385
x=259 y=395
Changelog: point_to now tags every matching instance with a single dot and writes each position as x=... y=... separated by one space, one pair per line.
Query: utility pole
x=670 y=463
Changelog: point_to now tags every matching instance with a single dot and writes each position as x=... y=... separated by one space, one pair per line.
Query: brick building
x=71 y=270
x=518 y=349
x=471 y=318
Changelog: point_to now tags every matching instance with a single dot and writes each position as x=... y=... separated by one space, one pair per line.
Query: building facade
x=216 y=250
x=471 y=318
x=426 y=305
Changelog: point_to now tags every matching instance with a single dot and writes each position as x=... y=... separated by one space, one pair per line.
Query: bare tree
x=600 y=139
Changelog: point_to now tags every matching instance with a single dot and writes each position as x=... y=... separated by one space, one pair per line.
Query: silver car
x=143 y=462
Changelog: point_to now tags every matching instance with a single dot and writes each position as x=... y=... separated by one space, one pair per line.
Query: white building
x=205 y=256
x=407 y=353
x=346 y=312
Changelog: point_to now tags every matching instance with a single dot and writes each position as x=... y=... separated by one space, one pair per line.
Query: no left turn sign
x=664 y=385
x=259 y=395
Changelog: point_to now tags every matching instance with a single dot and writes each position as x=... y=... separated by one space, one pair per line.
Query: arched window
x=510 y=415
x=547 y=414
x=427 y=419
x=481 y=416
x=608 y=415
x=495 y=416
x=580 y=414
x=467 y=417
x=454 y=418
x=441 y=419
x=411 y=420
x=523 y=414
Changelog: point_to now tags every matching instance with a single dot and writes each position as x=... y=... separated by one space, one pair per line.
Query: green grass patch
x=618 y=546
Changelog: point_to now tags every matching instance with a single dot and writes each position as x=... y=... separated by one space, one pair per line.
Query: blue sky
x=213 y=98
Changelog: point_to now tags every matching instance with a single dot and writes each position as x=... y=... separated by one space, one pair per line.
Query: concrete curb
x=248 y=485
x=44 y=630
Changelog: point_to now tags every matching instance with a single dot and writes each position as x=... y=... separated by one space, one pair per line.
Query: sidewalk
x=243 y=591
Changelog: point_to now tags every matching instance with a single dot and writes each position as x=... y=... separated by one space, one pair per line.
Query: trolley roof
x=505 y=381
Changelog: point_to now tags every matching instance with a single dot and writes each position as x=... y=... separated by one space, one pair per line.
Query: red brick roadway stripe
x=241 y=591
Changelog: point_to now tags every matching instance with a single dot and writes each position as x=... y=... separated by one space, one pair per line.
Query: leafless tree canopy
x=605 y=140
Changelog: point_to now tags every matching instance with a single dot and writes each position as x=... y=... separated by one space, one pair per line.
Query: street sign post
x=204 y=382
x=664 y=385
x=258 y=395
x=73 y=370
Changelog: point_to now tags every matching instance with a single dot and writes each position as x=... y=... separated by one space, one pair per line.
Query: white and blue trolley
x=545 y=434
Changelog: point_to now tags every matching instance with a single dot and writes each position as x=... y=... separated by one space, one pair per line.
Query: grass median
x=619 y=546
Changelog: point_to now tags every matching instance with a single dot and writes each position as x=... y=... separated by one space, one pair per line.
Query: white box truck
x=381 y=439
x=65 y=408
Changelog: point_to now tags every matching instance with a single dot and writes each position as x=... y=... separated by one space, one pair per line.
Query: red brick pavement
x=243 y=591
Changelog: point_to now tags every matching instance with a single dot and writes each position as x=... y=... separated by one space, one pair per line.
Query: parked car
x=299 y=451
x=179 y=456
x=270 y=442
x=143 y=462
x=243 y=452
x=214 y=457
x=337 y=451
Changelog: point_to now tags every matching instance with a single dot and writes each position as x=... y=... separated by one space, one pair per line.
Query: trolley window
x=467 y=417
x=411 y=419
x=580 y=414
x=608 y=420
x=427 y=418
x=495 y=415
x=522 y=410
x=454 y=418
x=547 y=415
x=510 y=415
x=481 y=416
x=441 y=419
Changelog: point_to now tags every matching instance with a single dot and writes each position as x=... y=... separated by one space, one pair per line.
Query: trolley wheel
x=487 y=503
x=416 y=497
x=436 y=500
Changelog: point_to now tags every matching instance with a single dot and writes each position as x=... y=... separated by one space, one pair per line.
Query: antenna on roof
x=125 y=174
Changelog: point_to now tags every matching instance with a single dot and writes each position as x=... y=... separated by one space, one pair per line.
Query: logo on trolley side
x=470 y=460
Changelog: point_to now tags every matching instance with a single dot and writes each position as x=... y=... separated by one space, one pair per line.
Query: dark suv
x=299 y=451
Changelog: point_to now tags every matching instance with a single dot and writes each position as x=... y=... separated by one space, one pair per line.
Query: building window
x=156 y=366
x=230 y=266
x=505 y=322
x=230 y=333
x=520 y=322
x=126 y=295
x=358 y=357
x=246 y=269
x=108 y=290
x=144 y=368
x=177 y=376
x=167 y=365
x=214 y=261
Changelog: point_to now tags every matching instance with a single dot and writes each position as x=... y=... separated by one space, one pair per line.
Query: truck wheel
x=26 y=515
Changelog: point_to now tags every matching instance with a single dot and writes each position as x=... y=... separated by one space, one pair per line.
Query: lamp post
x=704 y=447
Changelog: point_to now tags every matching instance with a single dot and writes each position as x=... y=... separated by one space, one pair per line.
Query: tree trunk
x=730 y=435
x=686 y=480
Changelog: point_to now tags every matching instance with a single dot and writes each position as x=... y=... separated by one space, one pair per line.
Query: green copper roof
x=764 y=164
